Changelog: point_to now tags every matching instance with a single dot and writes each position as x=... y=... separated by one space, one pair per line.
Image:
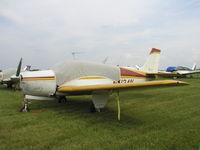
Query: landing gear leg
x=9 y=85
x=25 y=107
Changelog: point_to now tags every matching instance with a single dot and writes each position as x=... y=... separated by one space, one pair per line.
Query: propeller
x=19 y=67
x=16 y=78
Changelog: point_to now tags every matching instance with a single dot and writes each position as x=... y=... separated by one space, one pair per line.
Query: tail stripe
x=155 y=51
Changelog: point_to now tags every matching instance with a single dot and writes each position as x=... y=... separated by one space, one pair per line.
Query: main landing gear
x=62 y=99
x=93 y=109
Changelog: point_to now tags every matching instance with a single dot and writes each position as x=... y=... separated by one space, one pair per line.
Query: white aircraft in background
x=179 y=71
x=5 y=77
x=80 y=78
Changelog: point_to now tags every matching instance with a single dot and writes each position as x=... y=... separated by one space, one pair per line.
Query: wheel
x=62 y=99
x=92 y=108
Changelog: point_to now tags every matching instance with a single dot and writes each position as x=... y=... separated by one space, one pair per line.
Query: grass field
x=154 y=119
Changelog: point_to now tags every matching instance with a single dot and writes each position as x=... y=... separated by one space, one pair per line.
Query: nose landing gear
x=25 y=107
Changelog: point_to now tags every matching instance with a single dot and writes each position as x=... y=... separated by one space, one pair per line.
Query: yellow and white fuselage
x=82 y=73
x=45 y=83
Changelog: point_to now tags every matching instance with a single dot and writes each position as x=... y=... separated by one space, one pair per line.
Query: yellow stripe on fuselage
x=83 y=78
x=41 y=79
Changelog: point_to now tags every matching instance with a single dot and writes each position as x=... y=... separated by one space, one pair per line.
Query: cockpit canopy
x=183 y=68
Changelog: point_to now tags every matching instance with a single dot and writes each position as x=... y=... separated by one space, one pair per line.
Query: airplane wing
x=6 y=81
x=172 y=74
x=191 y=72
x=90 y=88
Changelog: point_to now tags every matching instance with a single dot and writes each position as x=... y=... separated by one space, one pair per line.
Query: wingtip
x=182 y=83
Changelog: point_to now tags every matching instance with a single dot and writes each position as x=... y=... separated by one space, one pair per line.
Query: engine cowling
x=38 y=83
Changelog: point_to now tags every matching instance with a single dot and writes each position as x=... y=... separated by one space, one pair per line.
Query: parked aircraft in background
x=179 y=71
x=6 y=75
x=80 y=78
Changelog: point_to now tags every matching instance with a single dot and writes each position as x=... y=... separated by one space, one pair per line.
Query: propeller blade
x=19 y=68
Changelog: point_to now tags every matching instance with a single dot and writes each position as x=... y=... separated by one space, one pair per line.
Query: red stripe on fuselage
x=126 y=72
x=38 y=77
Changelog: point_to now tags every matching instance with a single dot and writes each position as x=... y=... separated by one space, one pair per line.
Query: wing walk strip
x=65 y=88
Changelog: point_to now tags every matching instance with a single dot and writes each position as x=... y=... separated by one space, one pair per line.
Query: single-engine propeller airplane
x=80 y=77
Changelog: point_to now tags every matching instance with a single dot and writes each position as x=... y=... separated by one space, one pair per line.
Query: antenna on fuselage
x=105 y=60
x=74 y=54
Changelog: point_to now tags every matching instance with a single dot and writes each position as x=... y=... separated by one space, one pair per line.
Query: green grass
x=151 y=119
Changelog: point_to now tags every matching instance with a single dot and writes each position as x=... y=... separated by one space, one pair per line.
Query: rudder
x=152 y=62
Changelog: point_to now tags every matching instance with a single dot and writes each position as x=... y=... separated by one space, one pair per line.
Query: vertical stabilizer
x=152 y=62
x=194 y=66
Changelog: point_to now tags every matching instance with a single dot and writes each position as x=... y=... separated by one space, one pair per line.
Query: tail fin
x=152 y=62
x=194 y=66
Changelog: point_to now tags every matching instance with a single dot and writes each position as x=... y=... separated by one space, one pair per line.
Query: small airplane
x=179 y=71
x=6 y=75
x=87 y=78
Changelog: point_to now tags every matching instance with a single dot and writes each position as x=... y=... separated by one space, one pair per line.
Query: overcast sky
x=44 y=32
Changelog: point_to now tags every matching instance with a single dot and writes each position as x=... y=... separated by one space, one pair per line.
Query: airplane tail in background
x=194 y=66
x=152 y=62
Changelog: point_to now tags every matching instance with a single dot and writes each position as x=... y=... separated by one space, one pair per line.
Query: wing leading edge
x=87 y=88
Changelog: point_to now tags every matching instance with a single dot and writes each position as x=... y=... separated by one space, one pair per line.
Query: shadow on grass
x=79 y=108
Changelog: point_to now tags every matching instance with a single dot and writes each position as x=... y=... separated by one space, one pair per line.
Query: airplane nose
x=38 y=83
